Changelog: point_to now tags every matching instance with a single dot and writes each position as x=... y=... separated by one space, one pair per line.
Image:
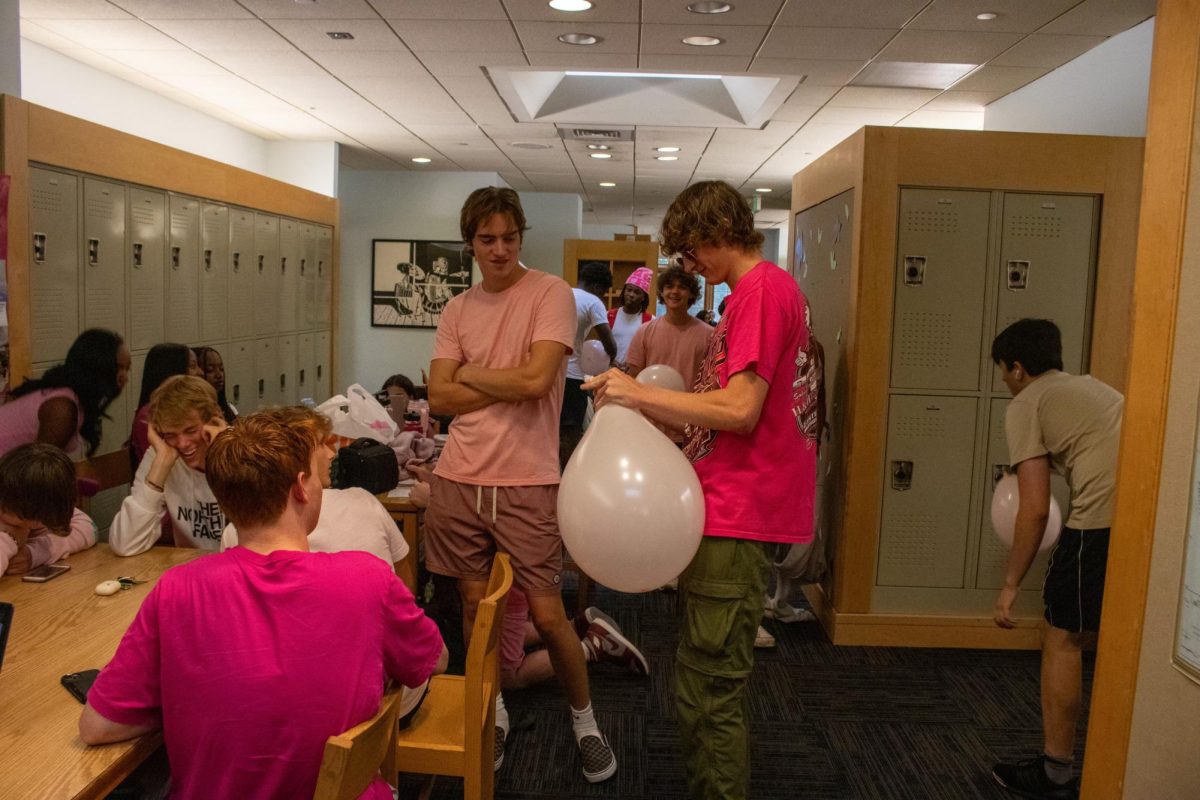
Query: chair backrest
x=353 y=759
x=482 y=680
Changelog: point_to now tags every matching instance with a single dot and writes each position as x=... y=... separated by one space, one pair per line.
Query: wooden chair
x=454 y=731
x=353 y=759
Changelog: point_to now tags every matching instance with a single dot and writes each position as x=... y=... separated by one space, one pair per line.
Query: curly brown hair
x=679 y=275
x=486 y=201
x=709 y=213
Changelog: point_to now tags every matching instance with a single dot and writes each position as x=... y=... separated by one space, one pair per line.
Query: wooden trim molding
x=1170 y=132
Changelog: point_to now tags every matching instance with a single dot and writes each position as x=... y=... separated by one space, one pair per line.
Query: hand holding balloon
x=662 y=376
x=615 y=387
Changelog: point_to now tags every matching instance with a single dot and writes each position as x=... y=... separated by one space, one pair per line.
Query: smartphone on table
x=78 y=683
x=45 y=572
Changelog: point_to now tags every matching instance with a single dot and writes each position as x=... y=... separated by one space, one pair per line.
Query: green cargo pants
x=721 y=599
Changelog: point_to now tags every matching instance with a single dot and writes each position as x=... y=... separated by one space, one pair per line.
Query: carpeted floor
x=828 y=723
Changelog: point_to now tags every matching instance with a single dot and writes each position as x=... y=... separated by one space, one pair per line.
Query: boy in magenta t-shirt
x=250 y=659
x=752 y=438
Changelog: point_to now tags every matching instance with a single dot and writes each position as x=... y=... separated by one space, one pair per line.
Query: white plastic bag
x=357 y=413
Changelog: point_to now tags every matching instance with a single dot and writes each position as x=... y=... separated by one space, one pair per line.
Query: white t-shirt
x=194 y=512
x=590 y=312
x=351 y=519
x=624 y=328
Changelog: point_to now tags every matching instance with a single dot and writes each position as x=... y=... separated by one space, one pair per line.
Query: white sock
x=589 y=655
x=501 y=714
x=584 y=723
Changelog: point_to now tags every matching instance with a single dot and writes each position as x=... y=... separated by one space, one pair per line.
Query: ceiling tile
x=850 y=13
x=448 y=36
x=166 y=62
x=252 y=64
x=820 y=43
x=606 y=11
x=935 y=118
x=998 y=79
x=870 y=97
x=795 y=112
x=1102 y=17
x=614 y=37
x=738 y=40
x=449 y=64
x=70 y=9
x=325 y=9
x=1012 y=16
x=816 y=73
x=520 y=130
x=947 y=47
x=364 y=159
x=225 y=34
x=313 y=34
x=440 y=9
x=192 y=9
x=111 y=34
x=370 y=63
x=744 y=12
x=962 y=101
x=1045 y=50
x=713 y=65
x=584 y=60
x=858 y=117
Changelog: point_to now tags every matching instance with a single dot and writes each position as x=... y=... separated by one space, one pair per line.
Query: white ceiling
x=413 y=81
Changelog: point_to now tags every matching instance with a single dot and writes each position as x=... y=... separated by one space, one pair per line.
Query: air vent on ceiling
x=597 y=134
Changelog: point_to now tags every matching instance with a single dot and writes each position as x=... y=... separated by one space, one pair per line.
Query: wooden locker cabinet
x=906 y=310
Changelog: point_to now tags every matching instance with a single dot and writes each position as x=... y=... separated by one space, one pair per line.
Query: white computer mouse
x=108 y=587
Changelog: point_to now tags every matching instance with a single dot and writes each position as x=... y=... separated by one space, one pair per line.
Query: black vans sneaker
x=599 y=763
x=1028 y=779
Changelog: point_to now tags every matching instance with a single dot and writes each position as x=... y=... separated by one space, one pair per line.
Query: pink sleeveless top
x=19 y=419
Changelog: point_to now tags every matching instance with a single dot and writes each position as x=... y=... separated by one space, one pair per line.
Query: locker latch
x=998 y=473
x=283 y=265
x=208 y=260
x=137 y=254
x=261 y=259
x=93 y=252
x=902 y=472
x=914 y=270
x=262 y=388
x=237 y=262
x=318 y=372
x=1017 y=275
x=301 y=374
x=174 y=258
x=39 y=248
x=302 y=264
x=237 y=393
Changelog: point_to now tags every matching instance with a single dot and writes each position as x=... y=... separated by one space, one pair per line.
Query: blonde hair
x=181 y=395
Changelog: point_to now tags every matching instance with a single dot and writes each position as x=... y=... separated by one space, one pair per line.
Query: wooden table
x=59 y=627
x=408 y=517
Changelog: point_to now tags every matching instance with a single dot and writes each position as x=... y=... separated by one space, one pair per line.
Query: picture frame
x=412 y=280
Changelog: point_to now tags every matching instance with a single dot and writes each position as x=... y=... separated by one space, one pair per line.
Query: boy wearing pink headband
x=635 y=299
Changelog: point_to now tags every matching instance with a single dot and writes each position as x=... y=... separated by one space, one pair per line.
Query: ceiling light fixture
x=702 y=41
x=579 y=38
x=422 y=160
x=339 y=35
x=667 y=158
x=607 y=184
x=986 y=16
x=600 y=155
x=570 y=5
x=572 y=73
x=667 y=149
x=762 y=190
x=598 y=147
x=709 y=7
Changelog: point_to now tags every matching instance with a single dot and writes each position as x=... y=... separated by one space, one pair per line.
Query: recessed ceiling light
x=570 y=5
x=667 y=158
x=701 y=41
x=709 y=7
x=578 y=38
x=421 y=160
x=607 y=184
x=600 y=155
x=762 y=190
x=666 y=149
x=987 y=15
x=339 y=35
x=598 y=147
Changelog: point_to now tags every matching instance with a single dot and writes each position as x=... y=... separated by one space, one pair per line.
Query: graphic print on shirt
x=207 y=520
x=700 y=440
x=806 y=385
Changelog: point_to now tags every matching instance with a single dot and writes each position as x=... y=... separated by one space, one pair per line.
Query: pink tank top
x=19 y=419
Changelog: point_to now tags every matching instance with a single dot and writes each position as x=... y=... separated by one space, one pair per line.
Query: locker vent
x=179 y=223
x=48 y=201
x=1035 y=226
x=143 y=215
x=911 y=541
x=99 y=207
x=926 y=339
x=918 y=221
x=921 y=428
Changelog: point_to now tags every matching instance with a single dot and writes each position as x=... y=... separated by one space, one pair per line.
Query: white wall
x=551 y=218
x=1103 y=92
x=10 y=47
x=50 y=79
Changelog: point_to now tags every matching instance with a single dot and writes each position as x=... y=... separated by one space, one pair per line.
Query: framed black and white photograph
x=413 y=280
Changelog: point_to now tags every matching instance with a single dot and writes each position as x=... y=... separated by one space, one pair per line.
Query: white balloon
x=630 y=506
x=663 y=376
x=1004 y=515
x=592 y=358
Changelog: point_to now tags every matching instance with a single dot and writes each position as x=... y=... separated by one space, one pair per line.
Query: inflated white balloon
x=663 y=376
x=1004 y=514
x=592 y=358
x=630 y=506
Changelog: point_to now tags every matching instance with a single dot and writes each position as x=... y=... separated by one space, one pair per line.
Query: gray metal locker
x=941 y=263
x=145 y=259
x=183 y=279
x=993 y=555
x=133 y=390
x=240 y=385
x=266 y=274
x=305 y=368
x=290 y=254
x=266 y=372
x=286 y=384
x=241 y=273
x=53 y=263
x=927 y=491
x=103 y=264
x=1047 y=258
x=324 y=275
x=214 y=272
x=115 y=430
x=323 y=380
x=306 y=309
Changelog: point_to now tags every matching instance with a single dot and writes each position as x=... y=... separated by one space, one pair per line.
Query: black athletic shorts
x=1074 y=587
x=574 y=405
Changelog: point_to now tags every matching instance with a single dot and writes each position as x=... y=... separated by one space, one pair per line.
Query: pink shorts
x=466 y=525
x=512 y=637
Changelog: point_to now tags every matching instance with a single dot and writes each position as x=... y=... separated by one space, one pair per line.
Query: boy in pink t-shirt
x=498 y=367
x=752 y=438
x=250 y=659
